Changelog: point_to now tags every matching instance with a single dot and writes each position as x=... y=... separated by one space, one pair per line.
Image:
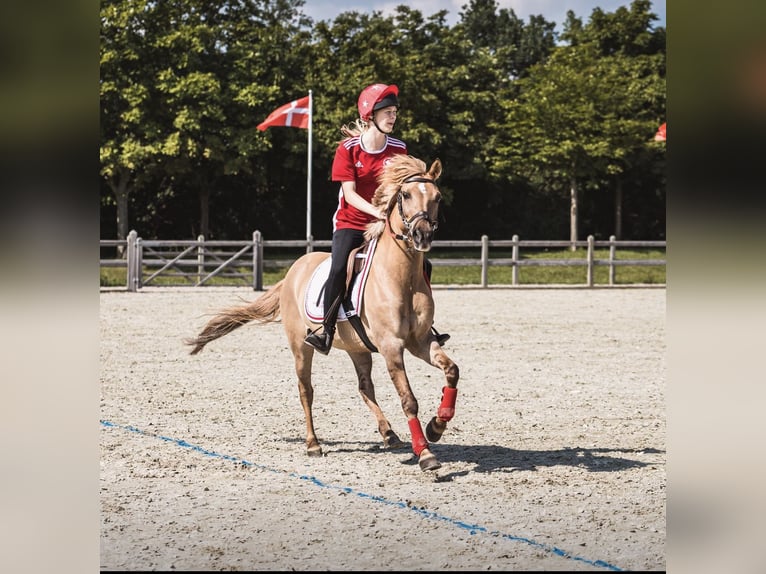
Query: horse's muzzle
x=422 y=237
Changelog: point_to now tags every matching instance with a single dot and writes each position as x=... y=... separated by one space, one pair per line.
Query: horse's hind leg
x=363 y=366
x=303 y=359
x=434 y=355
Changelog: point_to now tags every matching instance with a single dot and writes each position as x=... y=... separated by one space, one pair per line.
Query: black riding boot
x=441 y=338
x=322 y=342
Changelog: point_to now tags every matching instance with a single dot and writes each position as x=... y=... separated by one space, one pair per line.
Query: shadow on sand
x=493 y=458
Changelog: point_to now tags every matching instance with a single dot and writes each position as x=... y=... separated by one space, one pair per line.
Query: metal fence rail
x=196 y=262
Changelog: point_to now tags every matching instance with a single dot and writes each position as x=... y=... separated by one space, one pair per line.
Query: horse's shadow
x=495 y=458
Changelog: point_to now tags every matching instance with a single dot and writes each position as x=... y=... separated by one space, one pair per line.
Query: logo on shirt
x=358 y=164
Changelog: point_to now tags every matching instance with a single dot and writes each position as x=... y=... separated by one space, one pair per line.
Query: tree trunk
x=204 y=212
x=121 y=190
x=573 y=214
x=618 y=209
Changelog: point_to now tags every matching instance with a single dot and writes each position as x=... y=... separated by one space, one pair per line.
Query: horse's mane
x=399 y=168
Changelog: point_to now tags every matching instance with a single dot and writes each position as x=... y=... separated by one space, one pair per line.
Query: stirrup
x=441 y=338
x=321 y=342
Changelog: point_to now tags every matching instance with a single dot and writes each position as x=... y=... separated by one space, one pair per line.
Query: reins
x=409 y=223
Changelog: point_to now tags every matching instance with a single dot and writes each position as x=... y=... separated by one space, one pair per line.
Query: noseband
x=409 y=223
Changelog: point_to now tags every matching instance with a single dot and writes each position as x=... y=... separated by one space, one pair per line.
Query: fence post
x=589 y=279
x=200 y=258
x=515 y=259
x=309 y=244
x=132 y=280
x=484 y=258
x=257 y=261
x=612 y=253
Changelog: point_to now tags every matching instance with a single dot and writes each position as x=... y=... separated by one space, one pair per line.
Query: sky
x=551 y=10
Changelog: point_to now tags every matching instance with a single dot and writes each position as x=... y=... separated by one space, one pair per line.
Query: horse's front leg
x=434 y=355
x=395 y=364
x=363 y=366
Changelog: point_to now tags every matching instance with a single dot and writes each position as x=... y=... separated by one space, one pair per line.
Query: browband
x=418 y=179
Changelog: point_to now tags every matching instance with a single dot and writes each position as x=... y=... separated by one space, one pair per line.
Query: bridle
x=409 y=223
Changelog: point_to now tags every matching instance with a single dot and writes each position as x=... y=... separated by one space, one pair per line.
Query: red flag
x=293 y=115
x=661 y=134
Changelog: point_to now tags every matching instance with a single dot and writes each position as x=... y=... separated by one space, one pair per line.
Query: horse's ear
x=436 y=169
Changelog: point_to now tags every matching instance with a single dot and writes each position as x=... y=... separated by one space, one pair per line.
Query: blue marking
x=472 y=529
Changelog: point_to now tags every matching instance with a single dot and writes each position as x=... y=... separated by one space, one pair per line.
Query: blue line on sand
x=470 y=528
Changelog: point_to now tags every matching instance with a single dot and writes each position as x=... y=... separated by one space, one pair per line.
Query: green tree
x=129 y=146
x=627 y=38
x=628 y=30
x=581 y=117
x=181 y=84
x=517 y=46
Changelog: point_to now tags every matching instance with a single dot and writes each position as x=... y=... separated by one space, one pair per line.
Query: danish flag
x=296 y=114
x=662 y=133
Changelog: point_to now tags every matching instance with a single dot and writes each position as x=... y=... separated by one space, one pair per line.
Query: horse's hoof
x=428 y=461
x=314 y=451
x=432 y=433
x=392 y=441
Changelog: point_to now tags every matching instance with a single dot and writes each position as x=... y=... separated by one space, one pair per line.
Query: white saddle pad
x=314 y=301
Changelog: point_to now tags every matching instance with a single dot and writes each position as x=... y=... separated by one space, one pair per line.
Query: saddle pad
x=314 y=300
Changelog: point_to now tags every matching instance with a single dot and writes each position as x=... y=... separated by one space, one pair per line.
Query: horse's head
x=411 y=199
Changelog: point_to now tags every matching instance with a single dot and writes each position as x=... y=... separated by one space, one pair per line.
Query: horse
x=397 y=312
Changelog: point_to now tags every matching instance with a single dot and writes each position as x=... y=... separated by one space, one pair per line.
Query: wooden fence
x=196 y=262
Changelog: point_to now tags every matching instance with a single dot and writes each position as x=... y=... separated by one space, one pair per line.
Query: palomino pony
x=397 y=313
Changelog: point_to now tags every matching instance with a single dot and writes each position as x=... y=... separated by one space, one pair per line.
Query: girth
x=353 y=267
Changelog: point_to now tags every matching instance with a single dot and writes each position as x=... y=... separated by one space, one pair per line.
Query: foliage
x=585 y=117
x=511 y=113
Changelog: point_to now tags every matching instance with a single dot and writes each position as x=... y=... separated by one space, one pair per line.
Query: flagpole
x=309 y=247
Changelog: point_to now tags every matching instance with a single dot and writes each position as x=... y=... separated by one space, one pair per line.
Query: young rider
x=359 y=160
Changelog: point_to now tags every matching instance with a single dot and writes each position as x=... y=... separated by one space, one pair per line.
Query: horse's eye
x=439 y=198
x=406 y=195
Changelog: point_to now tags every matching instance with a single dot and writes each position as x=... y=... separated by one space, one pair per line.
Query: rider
x=359 y=160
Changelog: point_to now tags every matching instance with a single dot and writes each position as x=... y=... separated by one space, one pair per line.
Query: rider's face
x=386 y=115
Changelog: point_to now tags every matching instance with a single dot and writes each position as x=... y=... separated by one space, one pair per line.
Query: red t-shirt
x=352 y=163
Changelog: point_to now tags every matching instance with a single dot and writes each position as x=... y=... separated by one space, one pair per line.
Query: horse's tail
x=265 y=309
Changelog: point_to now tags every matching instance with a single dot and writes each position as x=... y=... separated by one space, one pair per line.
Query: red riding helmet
x=375 y=97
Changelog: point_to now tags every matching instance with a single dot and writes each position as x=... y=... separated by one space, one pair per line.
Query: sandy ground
x=555 y=460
